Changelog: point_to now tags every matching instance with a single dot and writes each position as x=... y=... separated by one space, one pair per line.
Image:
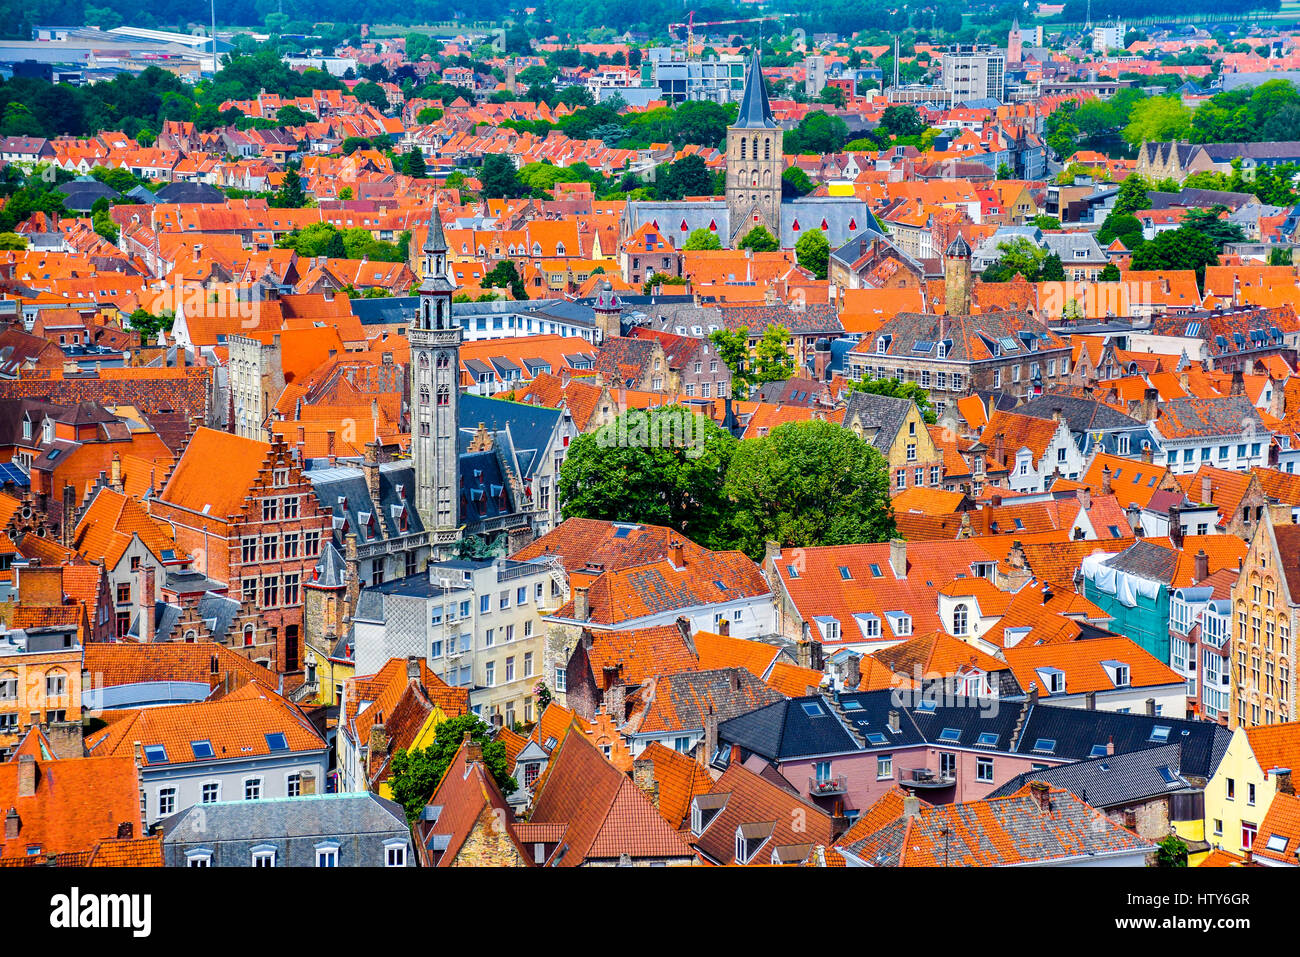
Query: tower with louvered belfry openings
x=435 y=396
x=754 y=161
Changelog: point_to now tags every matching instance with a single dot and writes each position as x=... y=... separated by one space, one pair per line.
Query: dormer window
x=750 y=838
x=704 y=808
x=1118 y=672
x=1053 y=680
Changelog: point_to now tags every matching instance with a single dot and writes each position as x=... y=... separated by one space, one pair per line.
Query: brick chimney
x=1000 y=448
x=1201 y=566
x=1207 y=490
x=898 y=557
x=1042 y=795
x=581 y=605
x=473 y=750
x=1105 y=480
x=1084 y=495
x=26 y=776
x=13 y=824
x=911 y=807
x=413 y=668
x=893 y=722
x=1238 y=386
x=1282 y=778
x=145 y=602
x=710 y=743
x=370 y=468
x=677 y=555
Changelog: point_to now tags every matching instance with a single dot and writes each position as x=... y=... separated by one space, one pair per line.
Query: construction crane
x=690 y=25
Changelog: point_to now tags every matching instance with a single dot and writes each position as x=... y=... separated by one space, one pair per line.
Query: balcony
x=825 y=787
x=925 y=778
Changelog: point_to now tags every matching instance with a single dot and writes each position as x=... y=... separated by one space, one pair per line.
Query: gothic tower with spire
x=754 y=161
x=435 y=396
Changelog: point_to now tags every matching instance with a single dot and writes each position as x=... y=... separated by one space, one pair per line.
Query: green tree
x=813 y=252
x=499 y=177
x=290 y=115
x=665 y=466
x=899 y=390
x=1045 y=222
x=1125 y=227
x=414 y=165
x=148 y=324
x=1209 y=222
x=1109 y=273
x=759 y=240
x=103 y=224
x=834 y=96
x=689 y=176
x=1171 y=852
x=504 y=275
x=795 y=182
x=772 y=359
x=1280 y=256
x=12 y=241
x=290 y=195
x=702 y=238
x=1004 y=172
x=416 y=774
x=429 y=114
x=1020 y=257
x=809 y=483
x=1181 y=248
x=902 y=121
x=1158 y=118
x=818 y=132
x=1051 y=269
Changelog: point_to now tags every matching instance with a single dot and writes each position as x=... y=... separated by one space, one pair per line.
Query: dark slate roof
x=310 y=818
x=80 y=196
x=1081 y=415
x=388 y=310
x=1147 y=560
x=190 y=193
x=342 y=492
x=1113 y=780
x=1077 y=731
x=217 y=612
x=884 y=413
x=371 y=601
x=530 y=428
x=482 y=486
x=755 y=110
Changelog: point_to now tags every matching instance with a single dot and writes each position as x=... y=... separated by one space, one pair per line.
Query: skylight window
x=201 y=749
x=793 y=570
x=812 y=709
x=950 y=734
x=875 y=570
x=1159 y=733
x=1047 y=745
x=155 y=754
x=845 y=573
x=1098 y=751
x=875 y=737
x=1277 y=843
x=987 y=739
x=277 y=742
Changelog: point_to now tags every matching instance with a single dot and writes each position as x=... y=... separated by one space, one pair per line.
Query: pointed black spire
x=755 y=111
x=436 y=243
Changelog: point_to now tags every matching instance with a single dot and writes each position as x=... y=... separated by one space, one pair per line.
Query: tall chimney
x=678 y=558
x=145 y=602
x=1207 y=490
x=1202 y=565
x=898 y=557
x=1105 y=480
x=724 y=626
x=26 y=776
x=581 y=607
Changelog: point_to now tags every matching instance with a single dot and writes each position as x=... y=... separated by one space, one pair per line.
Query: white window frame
x=395 y=847
x=327 y=849
x=261 y=784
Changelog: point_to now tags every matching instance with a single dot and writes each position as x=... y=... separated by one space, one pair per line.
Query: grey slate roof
x=755 y=110
x=1113 y=780
x=360 y=824
x=1081 y=415
x=883 y=414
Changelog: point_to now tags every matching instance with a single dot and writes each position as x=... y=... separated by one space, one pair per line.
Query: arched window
x=743 y=144
x=960 y=619
x=444 y=395
x=767 y=148
x=444 y=360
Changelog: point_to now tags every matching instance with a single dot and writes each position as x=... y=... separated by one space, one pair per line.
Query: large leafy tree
x=1209 y=223
x=902 y=121
x=770 y=362
x=813 y=251
x=664 y=466
x=1182 y=248
x=290 y=195
x=1158 y=118
x=1125 y=227
x=500 y=179
x=809 y=483
x=689 y=176
x=759 y=240
x=504 y=275
x=702 y=238
x=899 y=390
x=415 y=774
x=818 y=132
x=1020 y=257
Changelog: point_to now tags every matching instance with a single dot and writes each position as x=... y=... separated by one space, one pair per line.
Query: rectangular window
x=291 y=590
x=884 y=767
x=253 y=789
x=271 y=548
x=984 y=770
x=270 y=509
x=396 y=856
x=327 y=857
x=211 y=792
x=290 y=546
x=248 y=550
x=166 y=801
x=484 y=604
x=310 y=544
x=561 y=679
x=291 y=507
x=270 y=588
x=528 y=664
x=293 y=785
